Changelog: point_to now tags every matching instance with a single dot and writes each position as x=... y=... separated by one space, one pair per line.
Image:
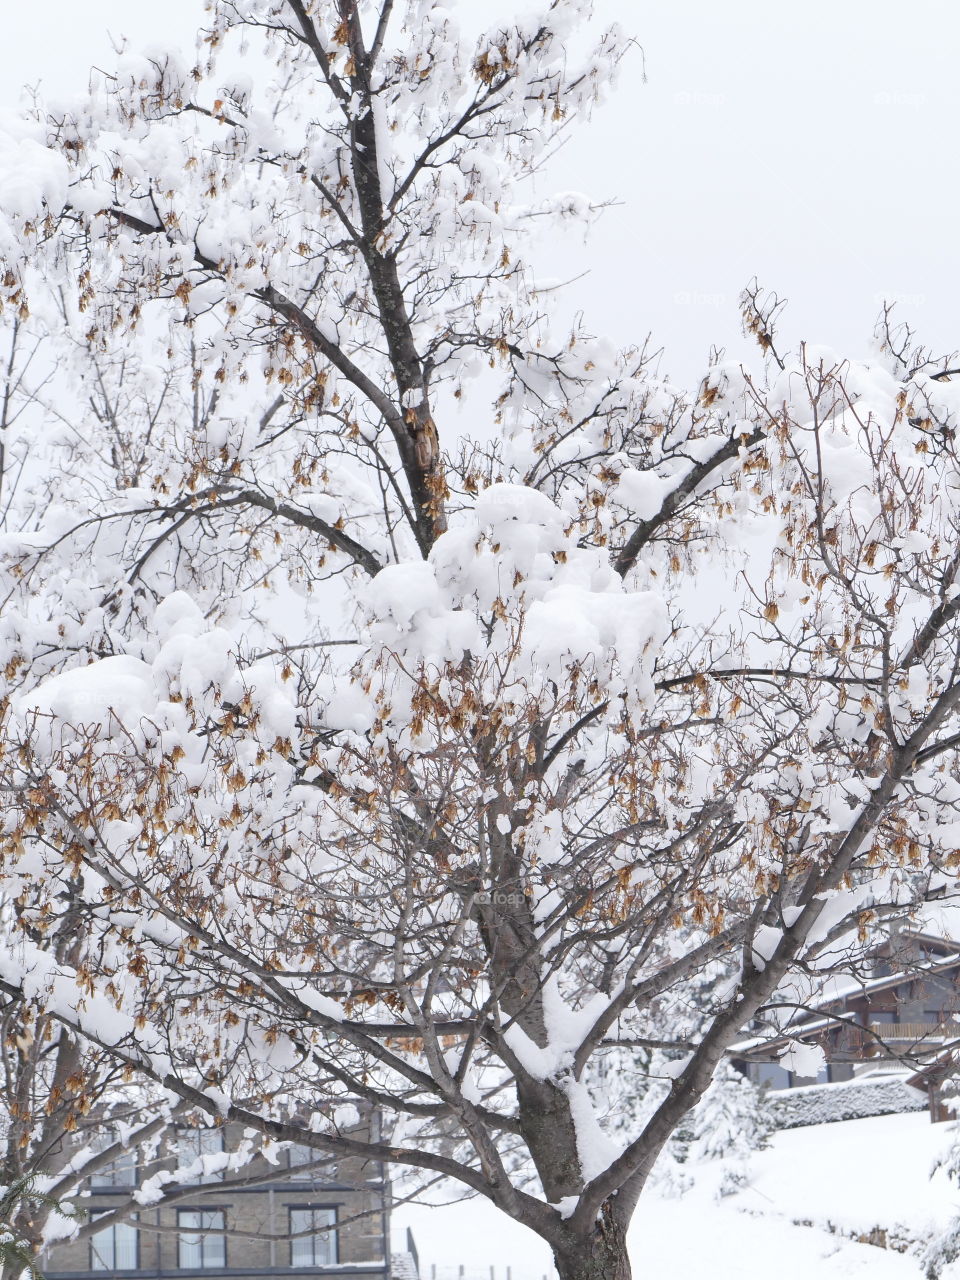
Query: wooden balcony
x=909 y=1031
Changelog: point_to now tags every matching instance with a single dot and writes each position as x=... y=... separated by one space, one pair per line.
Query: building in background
x=900 y=1020
x=301 y=1216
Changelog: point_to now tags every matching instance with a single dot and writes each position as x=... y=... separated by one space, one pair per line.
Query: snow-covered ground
x=858 y=1175
x=844 y=1179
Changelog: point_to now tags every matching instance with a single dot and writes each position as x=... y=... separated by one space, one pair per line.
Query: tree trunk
x=601 y=1257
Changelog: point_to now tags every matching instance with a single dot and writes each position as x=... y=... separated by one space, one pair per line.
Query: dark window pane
x=319 y=1247
x=114 y=1248
x=772 y=1075
x=194 y=1144
x=121 y=1172
x=199 y=1250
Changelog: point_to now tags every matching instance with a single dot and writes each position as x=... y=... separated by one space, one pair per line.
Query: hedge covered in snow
x=846 y=1100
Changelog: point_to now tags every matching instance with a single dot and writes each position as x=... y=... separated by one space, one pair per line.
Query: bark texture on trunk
x=602 y=1256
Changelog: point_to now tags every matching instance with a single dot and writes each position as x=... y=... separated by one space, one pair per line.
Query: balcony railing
x=910 y=1031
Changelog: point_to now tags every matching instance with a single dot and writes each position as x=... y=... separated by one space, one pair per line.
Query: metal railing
x=464 y=1271
x=412 y=1250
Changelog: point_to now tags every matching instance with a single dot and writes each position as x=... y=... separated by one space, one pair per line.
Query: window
x=313 y=1237
x=198 y=1250
x=299 y=1155
x=121 y=1172
x=194 y=1144
x=114 y=1248
x=882 y=1017
x=772 y=1075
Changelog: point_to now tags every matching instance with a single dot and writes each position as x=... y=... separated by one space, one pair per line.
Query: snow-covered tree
x=16 y=1252
x=410 y=705
x=70 y=1111
x=943 y=1246
x=71 y=1117
x=728 y=1124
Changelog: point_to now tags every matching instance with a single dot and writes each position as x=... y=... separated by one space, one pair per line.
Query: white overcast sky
x=813 y=144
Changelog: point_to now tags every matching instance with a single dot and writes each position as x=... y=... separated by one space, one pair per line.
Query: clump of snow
x=33 y=178
x=804 y=1059
x=401 y=592
x=177 y=615
x=114 y=690
x=644 y=492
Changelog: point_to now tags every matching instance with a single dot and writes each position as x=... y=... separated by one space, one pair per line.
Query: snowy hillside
x=810 y=1194
x=857 y=1177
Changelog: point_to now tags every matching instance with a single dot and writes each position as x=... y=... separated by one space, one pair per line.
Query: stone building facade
x=301 y=1216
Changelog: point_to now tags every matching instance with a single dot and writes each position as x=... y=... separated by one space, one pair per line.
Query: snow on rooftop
x=836 y=989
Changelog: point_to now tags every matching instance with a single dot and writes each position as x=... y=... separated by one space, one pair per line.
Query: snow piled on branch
x=58 y=989
x=123 y=695
x=510 y=574
x=33 y=178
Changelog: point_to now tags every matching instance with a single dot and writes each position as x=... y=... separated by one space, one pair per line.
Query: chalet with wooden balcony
x=904 y=1016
